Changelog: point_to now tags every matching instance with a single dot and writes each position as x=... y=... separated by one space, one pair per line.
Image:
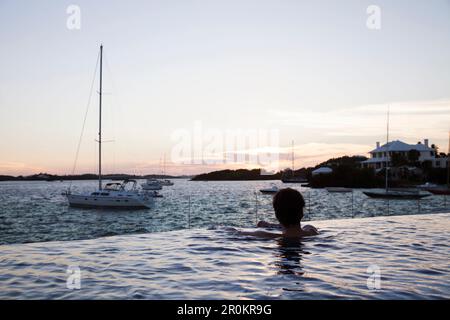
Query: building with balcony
x=419 y=153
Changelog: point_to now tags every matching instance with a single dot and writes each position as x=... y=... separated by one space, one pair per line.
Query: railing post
x=309 y=203
x=353 y=214
x=189 y=213
x=256 y=207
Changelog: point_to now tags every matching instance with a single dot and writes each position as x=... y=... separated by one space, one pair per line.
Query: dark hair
x=288 y=205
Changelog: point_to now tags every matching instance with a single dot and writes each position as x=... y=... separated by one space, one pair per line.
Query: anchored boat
x=293 y=178
x=165 y=182
x=152 y=184
x=113 y=195
x=270 y=190
x=394 y=194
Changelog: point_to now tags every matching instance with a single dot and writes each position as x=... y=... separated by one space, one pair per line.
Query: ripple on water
x=36 y=211
x=210 y=264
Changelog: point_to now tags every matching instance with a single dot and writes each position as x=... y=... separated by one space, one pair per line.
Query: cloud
x=18 y=168
x=413 y=120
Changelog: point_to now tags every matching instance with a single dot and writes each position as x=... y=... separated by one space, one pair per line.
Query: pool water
x=387 y=257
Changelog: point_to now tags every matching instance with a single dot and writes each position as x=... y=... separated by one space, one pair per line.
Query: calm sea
x=36 y=211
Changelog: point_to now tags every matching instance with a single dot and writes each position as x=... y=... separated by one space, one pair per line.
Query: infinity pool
x=409 y=255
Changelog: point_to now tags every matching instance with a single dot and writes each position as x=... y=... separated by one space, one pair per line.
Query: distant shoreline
x=87 y=176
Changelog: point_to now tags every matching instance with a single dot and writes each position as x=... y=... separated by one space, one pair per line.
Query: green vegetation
x=235 y=175
x=347 y=172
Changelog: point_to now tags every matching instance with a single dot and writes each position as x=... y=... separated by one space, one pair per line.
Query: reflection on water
x=289 y=254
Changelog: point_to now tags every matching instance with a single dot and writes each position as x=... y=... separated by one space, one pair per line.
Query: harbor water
x=36 y=211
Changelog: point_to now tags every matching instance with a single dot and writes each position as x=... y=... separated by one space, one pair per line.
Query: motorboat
x=270 y=190
x=152 y=184
x=165 y=182
x=294 y=179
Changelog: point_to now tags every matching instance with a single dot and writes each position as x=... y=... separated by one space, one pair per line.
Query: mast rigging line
x=84 y=120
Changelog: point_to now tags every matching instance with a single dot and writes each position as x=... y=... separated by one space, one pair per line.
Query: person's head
x=288 y=205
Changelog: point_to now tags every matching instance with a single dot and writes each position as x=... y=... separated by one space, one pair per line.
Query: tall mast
x=293 y=169
x=164 y=165
x=387 y=149
x=448 y=162
x=100 y=124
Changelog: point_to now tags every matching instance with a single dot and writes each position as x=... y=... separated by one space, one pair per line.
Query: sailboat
x=293 y=178
x=439 y=190
x=389 y=193
x=165 y=182
x=115 y=194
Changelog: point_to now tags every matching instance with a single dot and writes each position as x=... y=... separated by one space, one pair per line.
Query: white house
x=381 y=154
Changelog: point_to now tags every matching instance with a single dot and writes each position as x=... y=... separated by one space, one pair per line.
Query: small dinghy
x=154 y=194
x=271 y=190
x=427 y=186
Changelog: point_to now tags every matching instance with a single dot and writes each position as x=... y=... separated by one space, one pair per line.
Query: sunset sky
x=311 y=70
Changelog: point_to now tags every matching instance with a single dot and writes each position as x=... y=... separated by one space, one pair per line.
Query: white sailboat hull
x=90 y=201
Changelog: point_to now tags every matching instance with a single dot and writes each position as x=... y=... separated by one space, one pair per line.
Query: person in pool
x=288 y=205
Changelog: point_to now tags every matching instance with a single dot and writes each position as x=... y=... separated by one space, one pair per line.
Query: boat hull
x=441 y=192
x=268 y=191
x=88 y=201
x=151 y=188
x=294 y=180
x=394 y=196
x=166 y=183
